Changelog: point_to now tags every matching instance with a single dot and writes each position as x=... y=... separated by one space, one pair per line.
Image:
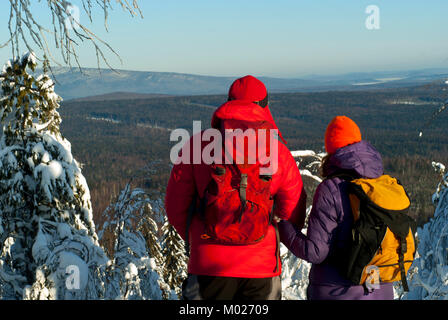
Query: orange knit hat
x=341 y=132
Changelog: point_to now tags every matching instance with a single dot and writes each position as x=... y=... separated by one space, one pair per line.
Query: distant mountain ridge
x=71 y=83
x=113 y=96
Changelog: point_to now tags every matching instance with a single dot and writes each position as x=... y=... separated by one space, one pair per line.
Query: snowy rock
x=303 y=153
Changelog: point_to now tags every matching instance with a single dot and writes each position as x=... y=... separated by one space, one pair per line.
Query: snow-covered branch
x=26 y=28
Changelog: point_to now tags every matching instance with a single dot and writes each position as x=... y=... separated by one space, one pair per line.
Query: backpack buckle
x=243 y=187
x=219 y=171
x=266 y=177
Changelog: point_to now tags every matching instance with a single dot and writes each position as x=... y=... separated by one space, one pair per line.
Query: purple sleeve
x=314 y=246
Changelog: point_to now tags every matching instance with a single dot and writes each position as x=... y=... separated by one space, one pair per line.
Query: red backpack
x=237 y=207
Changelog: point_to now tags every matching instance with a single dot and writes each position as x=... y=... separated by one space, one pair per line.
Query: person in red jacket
x=222 y=271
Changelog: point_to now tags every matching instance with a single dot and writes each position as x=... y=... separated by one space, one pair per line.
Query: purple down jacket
x=329 y=227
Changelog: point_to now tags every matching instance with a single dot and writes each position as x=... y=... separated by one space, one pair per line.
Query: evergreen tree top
x=27 y=103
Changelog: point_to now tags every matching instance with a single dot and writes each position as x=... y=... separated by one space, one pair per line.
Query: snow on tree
x=136 y=267
x=430 y=268
x=175 y=267
x=174 y=264
x=65 y=27
x=47 y=231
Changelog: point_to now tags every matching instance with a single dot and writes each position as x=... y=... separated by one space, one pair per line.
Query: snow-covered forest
x=50 y=247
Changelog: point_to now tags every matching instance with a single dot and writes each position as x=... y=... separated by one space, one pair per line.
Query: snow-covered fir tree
x=135 y=269
x=175 y=267
x=48 y=245
x=149 y=228
x=430 y=268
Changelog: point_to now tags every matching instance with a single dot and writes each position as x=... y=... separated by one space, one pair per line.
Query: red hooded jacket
x=207 y=257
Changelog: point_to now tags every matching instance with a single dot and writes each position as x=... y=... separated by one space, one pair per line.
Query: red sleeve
x=290 y=199
x=179 y=195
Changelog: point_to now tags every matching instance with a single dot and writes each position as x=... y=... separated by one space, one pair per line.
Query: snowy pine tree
x=429 y=279
x=135 y=269
x=150 y=231
x=46 y=225
x=175 y=267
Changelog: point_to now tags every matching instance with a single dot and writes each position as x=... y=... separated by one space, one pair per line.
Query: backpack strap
x=277 y=248
x=191 y=211
x=401 y=251
x=190 y=214
x=243 y=188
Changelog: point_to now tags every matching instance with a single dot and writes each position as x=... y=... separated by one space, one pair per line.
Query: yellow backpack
x=383 y=245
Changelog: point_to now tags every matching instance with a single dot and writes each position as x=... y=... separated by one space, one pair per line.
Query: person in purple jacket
x=331 y=219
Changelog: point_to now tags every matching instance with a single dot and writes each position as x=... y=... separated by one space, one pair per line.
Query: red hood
x=243 y=110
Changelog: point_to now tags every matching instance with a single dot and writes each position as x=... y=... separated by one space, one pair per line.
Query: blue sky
x=282 y=38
